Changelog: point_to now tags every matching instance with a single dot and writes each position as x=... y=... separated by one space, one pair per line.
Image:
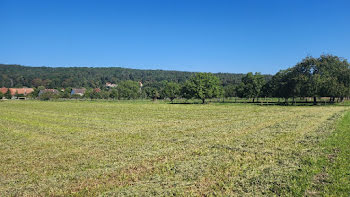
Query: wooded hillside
x=57 y=77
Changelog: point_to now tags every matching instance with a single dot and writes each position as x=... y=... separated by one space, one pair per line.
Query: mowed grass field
x=91 y=148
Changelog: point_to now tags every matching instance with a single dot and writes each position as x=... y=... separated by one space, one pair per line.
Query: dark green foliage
x=1 y=95
x=66 y=93
x=171 y=90
x=47 y=96
x=113 y=94
x=19 y=76
x=327 y=76
x=128 y=90
x=251 y=86
x=8 y=94
x=230 y=91
x=202 y=86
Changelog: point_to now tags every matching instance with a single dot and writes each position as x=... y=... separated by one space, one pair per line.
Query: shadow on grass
x=320 y=103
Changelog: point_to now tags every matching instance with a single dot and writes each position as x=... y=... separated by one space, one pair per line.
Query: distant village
x=24 y=93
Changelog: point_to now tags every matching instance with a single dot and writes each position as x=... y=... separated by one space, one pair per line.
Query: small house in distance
x=3 y=90
x=78 y=91
x=111 y=85
x=17 y=92
x=21 y=91
x=53 y=91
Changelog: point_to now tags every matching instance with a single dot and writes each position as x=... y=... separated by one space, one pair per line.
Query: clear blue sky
x=209 y=36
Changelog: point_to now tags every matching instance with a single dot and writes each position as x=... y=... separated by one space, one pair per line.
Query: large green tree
x=171 y=90
x=128 y=89
x=251 y=86
x=230 y=91
x=202 y=86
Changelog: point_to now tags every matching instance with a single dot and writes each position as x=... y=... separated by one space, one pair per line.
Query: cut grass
x=329 y=173
x=143 y=148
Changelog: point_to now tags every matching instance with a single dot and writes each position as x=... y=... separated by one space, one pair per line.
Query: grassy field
x=91 y=148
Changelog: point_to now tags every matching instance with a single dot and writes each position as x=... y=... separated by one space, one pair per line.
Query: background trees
x=128 y=90
x=325 y=76
x=63 y=77
x=230 y=91
x=171 y=90
x=202 y=86
x=251 y=86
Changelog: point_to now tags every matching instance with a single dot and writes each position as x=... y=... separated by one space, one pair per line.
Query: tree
x=230 y=91
x=104 y=94
x=202 y=86
x=128 y=89
x=113 y=94
x=323 y=76
x=154 y=94
x=251 y=86
x=66 y=93
x=47 y=96
x=8 y=94
x=171 y=90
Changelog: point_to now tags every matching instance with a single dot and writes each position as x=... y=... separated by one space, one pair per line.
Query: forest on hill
x=96 y=77
x=325 y=76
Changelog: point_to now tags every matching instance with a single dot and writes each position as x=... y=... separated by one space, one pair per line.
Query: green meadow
x=139 y=148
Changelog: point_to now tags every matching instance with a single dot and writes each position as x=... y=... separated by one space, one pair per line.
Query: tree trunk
x=253 y=100
x=315 y=100
x=293 y=101
x=203 y=100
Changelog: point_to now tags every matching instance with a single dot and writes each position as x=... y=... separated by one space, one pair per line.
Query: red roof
x=23 y=91
x=3 y=90
x=97 y=90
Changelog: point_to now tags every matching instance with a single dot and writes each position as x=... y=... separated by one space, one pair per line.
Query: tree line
x=325 y=76
x=17 y=76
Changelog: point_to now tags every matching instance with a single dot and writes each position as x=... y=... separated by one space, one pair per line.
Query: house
x=78 y=91
x=53 y=91
x=17 y=91
x=111 y=85
x=3 y=90
x=22 y=91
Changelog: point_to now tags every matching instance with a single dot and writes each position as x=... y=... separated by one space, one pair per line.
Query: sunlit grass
x=133 y=148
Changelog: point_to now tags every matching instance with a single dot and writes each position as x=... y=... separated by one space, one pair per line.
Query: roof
x=78 y=91
x=23 y=91
x=111 y=85
x=97 y=90
x=49 y=90
x=3 y=90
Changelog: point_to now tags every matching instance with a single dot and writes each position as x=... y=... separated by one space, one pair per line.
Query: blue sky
x=189 y=35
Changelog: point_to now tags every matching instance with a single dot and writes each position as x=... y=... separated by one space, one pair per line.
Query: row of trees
x=200 y=86
x=326 y=76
